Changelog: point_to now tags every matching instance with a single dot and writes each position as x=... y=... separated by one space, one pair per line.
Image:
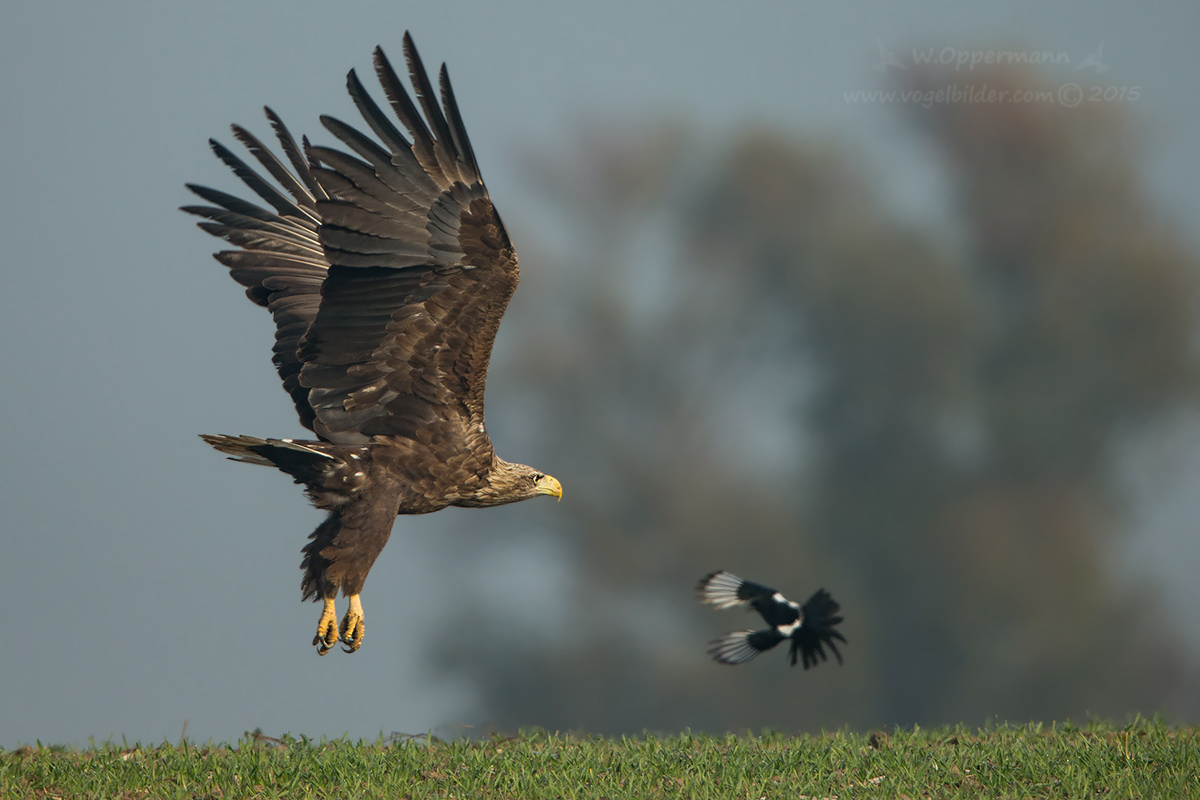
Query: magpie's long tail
x=820 y=614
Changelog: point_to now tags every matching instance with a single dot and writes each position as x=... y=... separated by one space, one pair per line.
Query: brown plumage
x=387 y=273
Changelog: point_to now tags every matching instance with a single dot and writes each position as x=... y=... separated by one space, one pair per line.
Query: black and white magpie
x=809 y=626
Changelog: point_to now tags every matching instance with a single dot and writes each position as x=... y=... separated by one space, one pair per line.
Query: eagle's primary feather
x=386 y=270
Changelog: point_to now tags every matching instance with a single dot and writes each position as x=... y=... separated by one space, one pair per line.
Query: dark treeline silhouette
x=739 y=357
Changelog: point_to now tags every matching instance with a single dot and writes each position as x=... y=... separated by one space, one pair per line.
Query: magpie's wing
x=726 y=590
x=742 y=646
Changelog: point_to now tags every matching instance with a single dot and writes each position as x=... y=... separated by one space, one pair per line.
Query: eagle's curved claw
x=352 y=628
x=327 y=631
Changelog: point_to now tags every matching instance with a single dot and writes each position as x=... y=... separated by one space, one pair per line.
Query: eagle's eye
x=537 y=476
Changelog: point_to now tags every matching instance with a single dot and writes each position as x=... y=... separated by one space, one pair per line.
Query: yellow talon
x=353 y=629
x=327 y=632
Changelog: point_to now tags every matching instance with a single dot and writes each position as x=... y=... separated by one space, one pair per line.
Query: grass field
x=1140 y=760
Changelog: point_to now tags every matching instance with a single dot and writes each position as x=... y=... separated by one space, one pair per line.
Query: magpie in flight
x=809 y=626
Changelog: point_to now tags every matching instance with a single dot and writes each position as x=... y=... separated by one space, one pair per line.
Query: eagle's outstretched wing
x=280 y=259
x=387 y=268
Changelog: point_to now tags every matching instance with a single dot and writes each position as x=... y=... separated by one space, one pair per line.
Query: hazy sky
x=147 y=582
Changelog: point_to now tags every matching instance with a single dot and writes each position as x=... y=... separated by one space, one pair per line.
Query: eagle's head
x=508 y=483
x=534 y=483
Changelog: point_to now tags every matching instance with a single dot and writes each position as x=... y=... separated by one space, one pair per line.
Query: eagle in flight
x=387 y=270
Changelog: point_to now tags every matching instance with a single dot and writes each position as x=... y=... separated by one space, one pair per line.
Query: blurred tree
x=753 y=365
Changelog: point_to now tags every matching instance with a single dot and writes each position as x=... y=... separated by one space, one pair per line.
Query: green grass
x=1141 y=760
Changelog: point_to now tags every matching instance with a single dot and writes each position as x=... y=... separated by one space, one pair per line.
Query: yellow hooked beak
x=550 y=485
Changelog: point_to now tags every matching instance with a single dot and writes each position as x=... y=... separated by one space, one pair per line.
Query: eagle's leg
x=327 y=632
x=353 y=629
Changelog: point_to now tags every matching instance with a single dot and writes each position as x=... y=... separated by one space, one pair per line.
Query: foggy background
x=933 y=351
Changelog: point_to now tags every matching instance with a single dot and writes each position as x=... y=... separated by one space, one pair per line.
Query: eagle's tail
x=253 y=450
x=318 y=466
